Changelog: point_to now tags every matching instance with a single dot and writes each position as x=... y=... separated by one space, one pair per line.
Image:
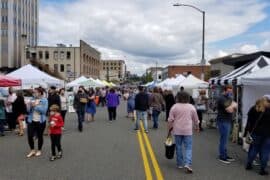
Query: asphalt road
x=112 y=151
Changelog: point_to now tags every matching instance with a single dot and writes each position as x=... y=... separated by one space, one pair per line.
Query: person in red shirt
x=55 y=130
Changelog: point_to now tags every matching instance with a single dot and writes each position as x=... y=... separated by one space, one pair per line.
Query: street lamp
x=203 y=34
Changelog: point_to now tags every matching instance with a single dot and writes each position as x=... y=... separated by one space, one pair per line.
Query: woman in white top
x=64 y=103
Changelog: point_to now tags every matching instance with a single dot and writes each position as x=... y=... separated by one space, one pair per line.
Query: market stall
x=76 y=81
x=6 y=81
x=31 y=76
x=255 y=85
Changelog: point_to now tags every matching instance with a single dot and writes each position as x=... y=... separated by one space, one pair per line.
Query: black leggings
x=35 y=129
x=11 y=120
x=200 y=116
x=63 y=114
x=112 y=113
x=56 y=143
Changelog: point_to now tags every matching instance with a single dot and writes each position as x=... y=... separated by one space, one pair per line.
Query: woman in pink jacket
x=182 y=118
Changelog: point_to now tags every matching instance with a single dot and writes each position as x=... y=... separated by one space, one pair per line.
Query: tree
x=147 y=78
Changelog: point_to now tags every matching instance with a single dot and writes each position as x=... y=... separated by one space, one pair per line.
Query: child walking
x=55 y=127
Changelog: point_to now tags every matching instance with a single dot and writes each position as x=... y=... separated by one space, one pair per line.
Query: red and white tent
x=6 y=81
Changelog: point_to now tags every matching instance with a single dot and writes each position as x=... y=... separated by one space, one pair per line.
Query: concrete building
x=219 y=68
x=156 y=73
x=70 y=62
x=113 y=70
x=174 y=70
x=18 y=17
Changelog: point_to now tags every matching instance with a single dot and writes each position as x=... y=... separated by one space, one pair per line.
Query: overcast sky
x=144 y=32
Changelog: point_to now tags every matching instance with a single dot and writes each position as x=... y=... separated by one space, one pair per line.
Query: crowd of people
x=183 y=115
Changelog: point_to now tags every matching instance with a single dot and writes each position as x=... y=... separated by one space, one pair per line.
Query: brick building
x=173 y=70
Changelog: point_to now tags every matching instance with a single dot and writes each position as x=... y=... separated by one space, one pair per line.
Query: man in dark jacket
x=79 y=103
x=224 y=122
x=53 y=98
x=141 y=107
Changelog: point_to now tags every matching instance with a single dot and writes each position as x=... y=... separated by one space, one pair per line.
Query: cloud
x=146 y=31
x=248 y=48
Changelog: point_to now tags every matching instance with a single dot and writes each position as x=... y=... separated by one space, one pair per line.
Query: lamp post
x=203 y=62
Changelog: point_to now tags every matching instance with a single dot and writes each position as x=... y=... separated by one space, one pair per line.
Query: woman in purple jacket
x=112 y=103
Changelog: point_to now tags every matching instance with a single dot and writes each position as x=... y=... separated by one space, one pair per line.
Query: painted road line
x=152 y=155
x=147 y=170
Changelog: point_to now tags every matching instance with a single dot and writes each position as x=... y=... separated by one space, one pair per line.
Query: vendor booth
x=76 y=82
x=31 y=76
x=6 y=81
x=255 y=85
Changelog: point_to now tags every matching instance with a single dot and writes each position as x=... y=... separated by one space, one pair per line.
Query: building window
x=27 y=55
x=55 y=67
x=55 y=55
x=47 y=55
x=40 y=54
x=4 y=19
x=68 y=55
x=62 y=55
x=68 y=68
x=47 y=66
x=4 y=32
x=4 y=5
x=62 y=68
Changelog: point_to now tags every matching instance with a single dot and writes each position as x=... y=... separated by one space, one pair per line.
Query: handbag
x=169 y=146
x=201 y=107
x=249 y=139
x=83 y=100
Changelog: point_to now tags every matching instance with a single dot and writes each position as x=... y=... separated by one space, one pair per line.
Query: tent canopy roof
x=76 y=81
x=30 y=75
x=193 y=82
x=6 y=81
x=261 y=77
x=248 y=68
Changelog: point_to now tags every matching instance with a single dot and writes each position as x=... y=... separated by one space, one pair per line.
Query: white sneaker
x=32 y=153
x=188 y=169
x=38 y=153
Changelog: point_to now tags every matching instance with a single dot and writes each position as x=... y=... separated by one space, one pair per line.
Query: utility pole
x=156 y=71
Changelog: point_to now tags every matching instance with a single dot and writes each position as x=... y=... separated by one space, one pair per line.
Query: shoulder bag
x=249 y=139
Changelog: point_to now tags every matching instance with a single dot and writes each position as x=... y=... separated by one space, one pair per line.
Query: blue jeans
x=80 y=114
x=224 y=128
x=155 y=115
x=260 y=145
x=187 y=141
x=141 y=115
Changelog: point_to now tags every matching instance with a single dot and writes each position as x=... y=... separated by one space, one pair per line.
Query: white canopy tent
x=76 y=81
x=180 y=78
x=100 y=82
x=170 y=83
x=238 y=73
x=191 y=82
x=31 y=76
x=255 y=85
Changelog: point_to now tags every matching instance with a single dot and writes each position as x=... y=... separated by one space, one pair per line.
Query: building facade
x=18 y=18
x=174 y=70
x=219 y=68
x=70 y=62
x=156 y=73
x=113 y=70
